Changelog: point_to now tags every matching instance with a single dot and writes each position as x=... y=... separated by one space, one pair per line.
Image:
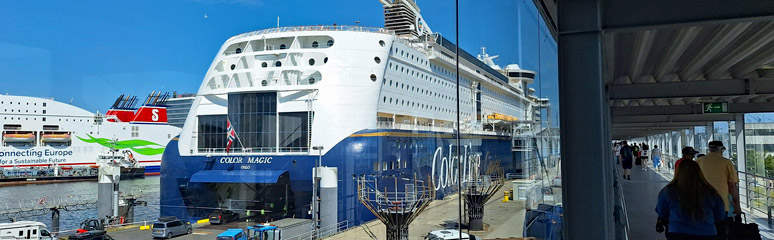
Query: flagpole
x=236 y=135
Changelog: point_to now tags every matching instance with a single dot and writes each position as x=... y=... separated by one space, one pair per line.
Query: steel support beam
x=730 y=87
x=710 y=132
x=693 y=109
x=586 y=168
x=673 y=118
x=741 y=157
x=629 y=15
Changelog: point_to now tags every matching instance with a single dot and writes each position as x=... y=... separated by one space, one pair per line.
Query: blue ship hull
x=192 y=186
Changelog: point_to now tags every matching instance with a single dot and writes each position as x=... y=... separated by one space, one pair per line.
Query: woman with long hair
x=689 y=206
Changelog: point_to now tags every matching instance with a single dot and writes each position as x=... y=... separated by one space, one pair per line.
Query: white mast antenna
x=277 y=21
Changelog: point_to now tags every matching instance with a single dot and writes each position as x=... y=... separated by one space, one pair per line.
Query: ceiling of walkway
x=663 y=59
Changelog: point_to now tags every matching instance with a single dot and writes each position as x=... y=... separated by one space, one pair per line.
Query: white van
x=24 y=230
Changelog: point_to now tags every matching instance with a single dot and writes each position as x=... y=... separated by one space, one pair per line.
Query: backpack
x=627 y=152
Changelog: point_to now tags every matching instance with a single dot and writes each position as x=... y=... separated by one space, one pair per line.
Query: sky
x=89 y=52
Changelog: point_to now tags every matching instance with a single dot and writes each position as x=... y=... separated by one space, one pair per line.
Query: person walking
x=688 y=154
x=722 y=175
x=689 y=206
x=626 y=160
x=645 y=155
x=656 y=157
x=636 y=154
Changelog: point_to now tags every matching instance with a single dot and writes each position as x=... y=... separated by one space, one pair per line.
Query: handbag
x=743 y=230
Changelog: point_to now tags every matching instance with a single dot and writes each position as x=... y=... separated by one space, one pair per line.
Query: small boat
x=130 y=169
x=18 y=137
x=55 y=137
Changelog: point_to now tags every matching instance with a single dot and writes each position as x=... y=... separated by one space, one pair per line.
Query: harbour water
x=147 y=189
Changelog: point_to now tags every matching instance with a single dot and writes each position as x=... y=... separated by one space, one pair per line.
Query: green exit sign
x=715 y=107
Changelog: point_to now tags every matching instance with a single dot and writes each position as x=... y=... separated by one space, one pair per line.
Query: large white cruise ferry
x=368 y=101
x=43 y=138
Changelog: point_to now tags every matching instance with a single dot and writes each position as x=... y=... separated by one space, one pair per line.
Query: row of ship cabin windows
x=420 y=75
x=279 y=63
x=491 y=92
x=421 y=106
x=19 y=103
x=443 y=70
x=410 y=88
x=410 y=56
x=43 y=119
x=496 y=102
x=26 y=111
x=500 y=99
x=315 y=44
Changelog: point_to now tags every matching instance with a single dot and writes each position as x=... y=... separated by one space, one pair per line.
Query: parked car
x=449 y=234
x=223 y=216
x=168 y=227
x=232 y=234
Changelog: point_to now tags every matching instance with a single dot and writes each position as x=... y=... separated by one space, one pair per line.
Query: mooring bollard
x=505 y=196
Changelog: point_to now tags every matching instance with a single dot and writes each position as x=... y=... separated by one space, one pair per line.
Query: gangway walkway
x=640 y=195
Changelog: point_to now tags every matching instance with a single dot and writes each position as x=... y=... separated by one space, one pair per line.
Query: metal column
x=586 y=164
x=741 y=157
x=710 y=132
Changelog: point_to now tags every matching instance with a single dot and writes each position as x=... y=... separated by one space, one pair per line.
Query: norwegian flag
x=231 y=134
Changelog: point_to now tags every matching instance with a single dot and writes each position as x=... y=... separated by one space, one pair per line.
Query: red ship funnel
x=120 y=115
x=151 y=114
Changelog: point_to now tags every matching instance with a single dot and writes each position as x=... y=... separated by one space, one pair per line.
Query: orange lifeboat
x=19 y=137
x=56 y=137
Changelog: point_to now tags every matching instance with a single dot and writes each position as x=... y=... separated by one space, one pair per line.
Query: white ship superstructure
x=365 y=101
x=39 y=132
x=337 y=80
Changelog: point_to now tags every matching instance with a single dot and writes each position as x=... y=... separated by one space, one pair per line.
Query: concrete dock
x=503 y=220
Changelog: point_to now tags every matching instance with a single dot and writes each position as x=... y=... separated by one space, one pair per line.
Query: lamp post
x=319 y=160
x=315 y=197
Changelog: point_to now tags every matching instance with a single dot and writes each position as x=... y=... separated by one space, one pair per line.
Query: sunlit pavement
x=503 y=220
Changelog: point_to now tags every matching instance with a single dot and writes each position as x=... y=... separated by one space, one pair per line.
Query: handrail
x=622 y=214
x=758 y=192
x=315 y=28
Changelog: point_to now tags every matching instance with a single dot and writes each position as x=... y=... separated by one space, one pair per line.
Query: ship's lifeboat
x=18 y=137
x=496 y=116
x=59 y=137
x=503 y=117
